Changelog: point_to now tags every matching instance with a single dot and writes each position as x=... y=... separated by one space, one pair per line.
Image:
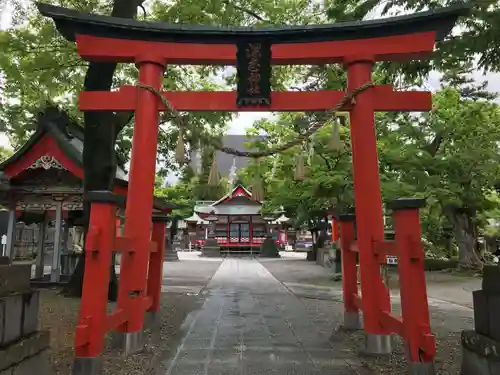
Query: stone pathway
x=250 y=324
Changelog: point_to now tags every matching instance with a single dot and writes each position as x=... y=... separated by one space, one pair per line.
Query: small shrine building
x=42 y=184
x=239 y=227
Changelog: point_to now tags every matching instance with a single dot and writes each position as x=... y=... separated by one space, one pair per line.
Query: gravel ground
x=58 y=315
x=447 y=322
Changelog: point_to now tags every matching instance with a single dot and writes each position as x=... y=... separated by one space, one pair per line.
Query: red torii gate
x=151 y=46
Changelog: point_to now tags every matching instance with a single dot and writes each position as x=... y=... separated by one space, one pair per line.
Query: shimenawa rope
x=181 y=122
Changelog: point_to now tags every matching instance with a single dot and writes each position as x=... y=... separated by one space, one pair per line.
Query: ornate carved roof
x=58 y=134
x=71 y=22
x=68 y=136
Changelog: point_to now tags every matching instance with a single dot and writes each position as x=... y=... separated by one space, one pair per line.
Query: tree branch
x=327 y=162
x=143 y=10
x=248 y=12
x=433 y=147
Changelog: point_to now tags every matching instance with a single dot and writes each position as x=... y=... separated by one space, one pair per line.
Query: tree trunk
x=99 y=156
x=465 y=236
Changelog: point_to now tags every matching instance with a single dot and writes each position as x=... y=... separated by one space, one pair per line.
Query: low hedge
x=439 y=264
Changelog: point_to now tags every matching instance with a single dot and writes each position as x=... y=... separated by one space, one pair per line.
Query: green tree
x=476 y=37
x=5 y=153
x=450 y=156
x=327 y=184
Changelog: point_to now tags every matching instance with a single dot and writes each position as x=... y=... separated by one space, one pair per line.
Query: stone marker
x=23 y=349
x=481 y=346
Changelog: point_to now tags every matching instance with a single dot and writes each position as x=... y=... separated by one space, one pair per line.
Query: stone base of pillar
x=87 y=366
x=377 y=344
x=211 y=248
x=480 y=354
x=352 y=321
x=129 y=342
x=426 y=368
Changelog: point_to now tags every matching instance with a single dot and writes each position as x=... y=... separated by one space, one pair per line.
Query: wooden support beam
x=393 y=323
x=358 y=301
x=384 y=248
x=124 y=244
x=415 y=46
x=116 y=319
x=82 y=335
x=125 y=99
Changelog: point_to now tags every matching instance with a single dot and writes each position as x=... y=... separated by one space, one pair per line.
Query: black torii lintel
x=70 y=23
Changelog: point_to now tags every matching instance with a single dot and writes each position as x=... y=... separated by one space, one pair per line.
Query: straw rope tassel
x=257 y=190
x=349 y=97
x=300 y=168
x=213 y=177
x=335 y=142
x=257 y=186
x=179 y=149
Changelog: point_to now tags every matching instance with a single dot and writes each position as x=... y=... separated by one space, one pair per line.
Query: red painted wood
x=391 y=48
x=335 y=230
x=349 y=268
x=82 y=335
x=123 y=244
x=155 y=270
x=134 y=266
x=383 y=97
x=369 y=222
x=414 y=304
x=395 y=323
x=116 y=318
x=147 y=302
x=46 y=146
x=93 y=307
x=384 y=248
x=357 y=301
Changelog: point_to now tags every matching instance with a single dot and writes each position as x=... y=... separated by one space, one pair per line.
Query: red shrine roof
x=238 y=202
x=58 y=143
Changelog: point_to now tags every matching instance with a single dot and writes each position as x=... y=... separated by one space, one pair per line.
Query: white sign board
x=390 y=259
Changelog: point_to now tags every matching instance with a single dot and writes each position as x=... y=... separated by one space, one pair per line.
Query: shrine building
x=239 y=225
x=42 y=183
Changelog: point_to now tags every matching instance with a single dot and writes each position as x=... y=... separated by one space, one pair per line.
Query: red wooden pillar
x=335 y=230
x=134 y=265
x=369 y=216
x=99 y=245
x=155 y=273
x=420 y=344
x=349 y=272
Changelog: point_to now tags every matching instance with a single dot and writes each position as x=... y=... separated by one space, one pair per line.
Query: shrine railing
x=414 y=324
x=94 y=321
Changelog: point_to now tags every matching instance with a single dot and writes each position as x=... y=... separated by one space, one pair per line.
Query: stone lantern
x=268 y=249
x=211 y=248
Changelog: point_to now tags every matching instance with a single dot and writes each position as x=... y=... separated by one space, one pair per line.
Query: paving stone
x=251 y=325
